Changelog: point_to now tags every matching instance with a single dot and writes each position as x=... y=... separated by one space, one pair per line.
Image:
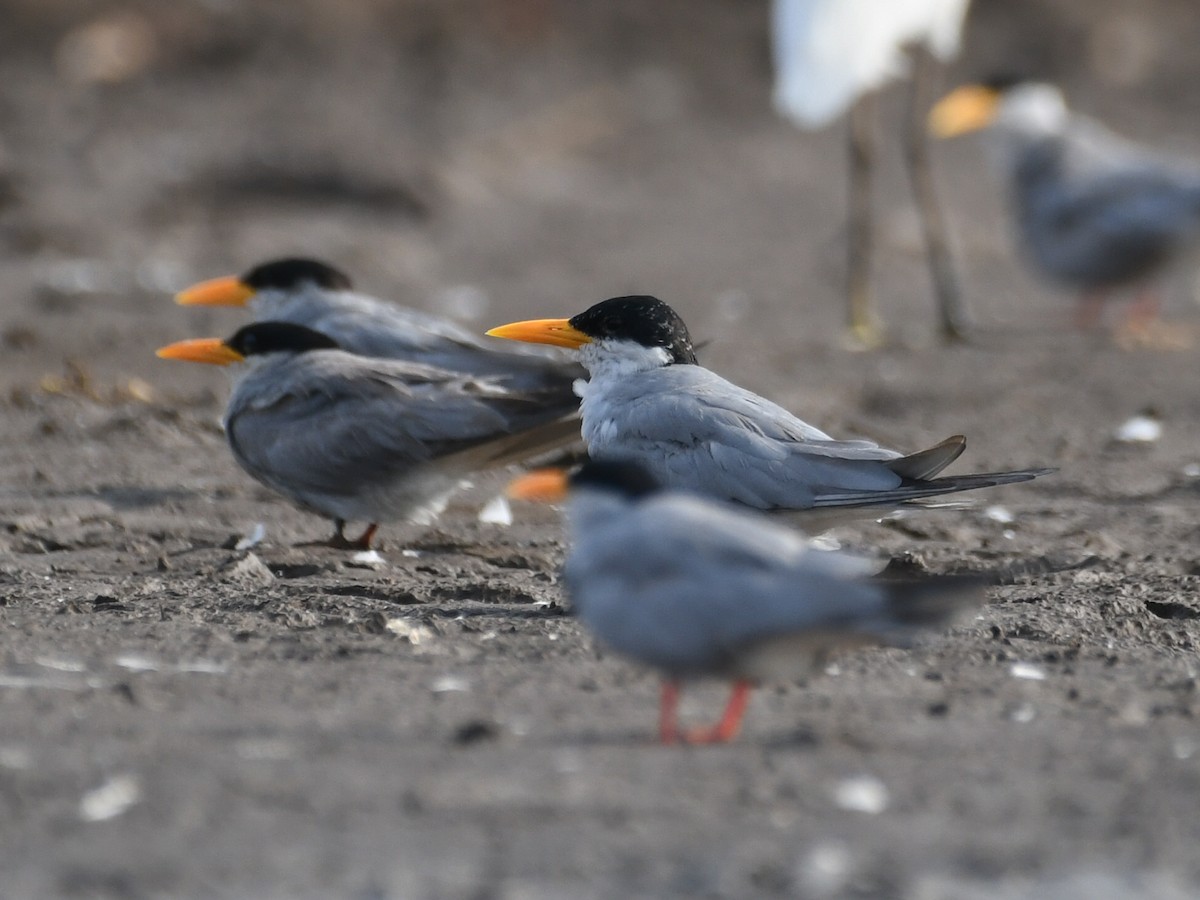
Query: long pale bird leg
x=866 y=330
x=946 y=286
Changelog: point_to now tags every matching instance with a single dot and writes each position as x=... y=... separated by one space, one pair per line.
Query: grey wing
x=1147 y=201
x=1104 y=223
x=714 y=438
x=371 y=327
x=1120 y=228
x=338 y=424
x=688 y=594
x=1093 y=149
x=687 y=526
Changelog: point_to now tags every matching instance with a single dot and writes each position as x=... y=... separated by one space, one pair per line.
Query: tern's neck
x=1032 y=115
x=617 y=359
x=1037 y=108
x=590 y=510
x=289 y=305
x=252 y=365
x=259 y=381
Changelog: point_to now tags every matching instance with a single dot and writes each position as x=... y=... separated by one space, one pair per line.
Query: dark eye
x=249 y=344
x=611 y=324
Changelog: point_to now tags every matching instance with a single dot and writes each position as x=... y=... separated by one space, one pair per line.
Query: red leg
x=731 y=720
x=668 y=723
x=363 y=542
x=337 y=539
x=1143 y=328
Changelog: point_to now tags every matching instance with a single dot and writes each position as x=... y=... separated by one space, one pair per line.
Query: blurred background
x=492 y=158
x=501 y=159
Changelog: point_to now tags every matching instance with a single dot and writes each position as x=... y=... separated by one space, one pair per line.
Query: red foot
x=725 y=730
x=339 y=541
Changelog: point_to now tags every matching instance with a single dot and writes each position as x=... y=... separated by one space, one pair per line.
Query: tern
x=649 y=401
x=358 y=438
x=696 y=588
x=1094 y=211
x=314 y=294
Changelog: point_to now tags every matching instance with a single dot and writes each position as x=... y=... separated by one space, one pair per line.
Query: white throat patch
x=1034 y=110
x=615 y=359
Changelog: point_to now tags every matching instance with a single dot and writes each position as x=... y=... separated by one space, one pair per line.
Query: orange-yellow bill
x=227 y=291
x=541 y=485
x=963 y=110
x=213 y=351
x=543 y=331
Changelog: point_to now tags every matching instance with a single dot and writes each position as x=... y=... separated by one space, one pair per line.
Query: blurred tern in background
x=648 y=401
x=696 y=588
x=358 y=438
x=318 y=296
x=1094 y=211
x=831 y=55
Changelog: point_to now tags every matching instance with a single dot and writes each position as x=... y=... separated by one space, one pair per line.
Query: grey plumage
x=694 y=587
x=694 y=430
x=356 y=437
x=1093 y=209
x=648 y=401
x=371 y=327
x=381 y=440
x=368 y=326
x=1104 y=231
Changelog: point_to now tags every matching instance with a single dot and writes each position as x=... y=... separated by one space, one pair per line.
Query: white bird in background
x=831 y=55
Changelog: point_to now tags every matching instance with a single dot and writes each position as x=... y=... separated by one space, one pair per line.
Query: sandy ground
x=179 y=718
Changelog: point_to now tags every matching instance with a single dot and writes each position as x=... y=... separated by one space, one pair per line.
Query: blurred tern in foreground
x=318 y=296
x=356 y=438
x=648 y=401
x=696 y=588
x=1094 y=211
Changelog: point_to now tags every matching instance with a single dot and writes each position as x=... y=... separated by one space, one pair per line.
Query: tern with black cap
x=649 y=401
x=698 y=588
x=1094 y=211
x=317 y=295
x=358 y=438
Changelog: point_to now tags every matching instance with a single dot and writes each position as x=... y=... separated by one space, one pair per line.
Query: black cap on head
x=288 y=274
x=261 y=338
x=642 y=319
x=624 y=477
